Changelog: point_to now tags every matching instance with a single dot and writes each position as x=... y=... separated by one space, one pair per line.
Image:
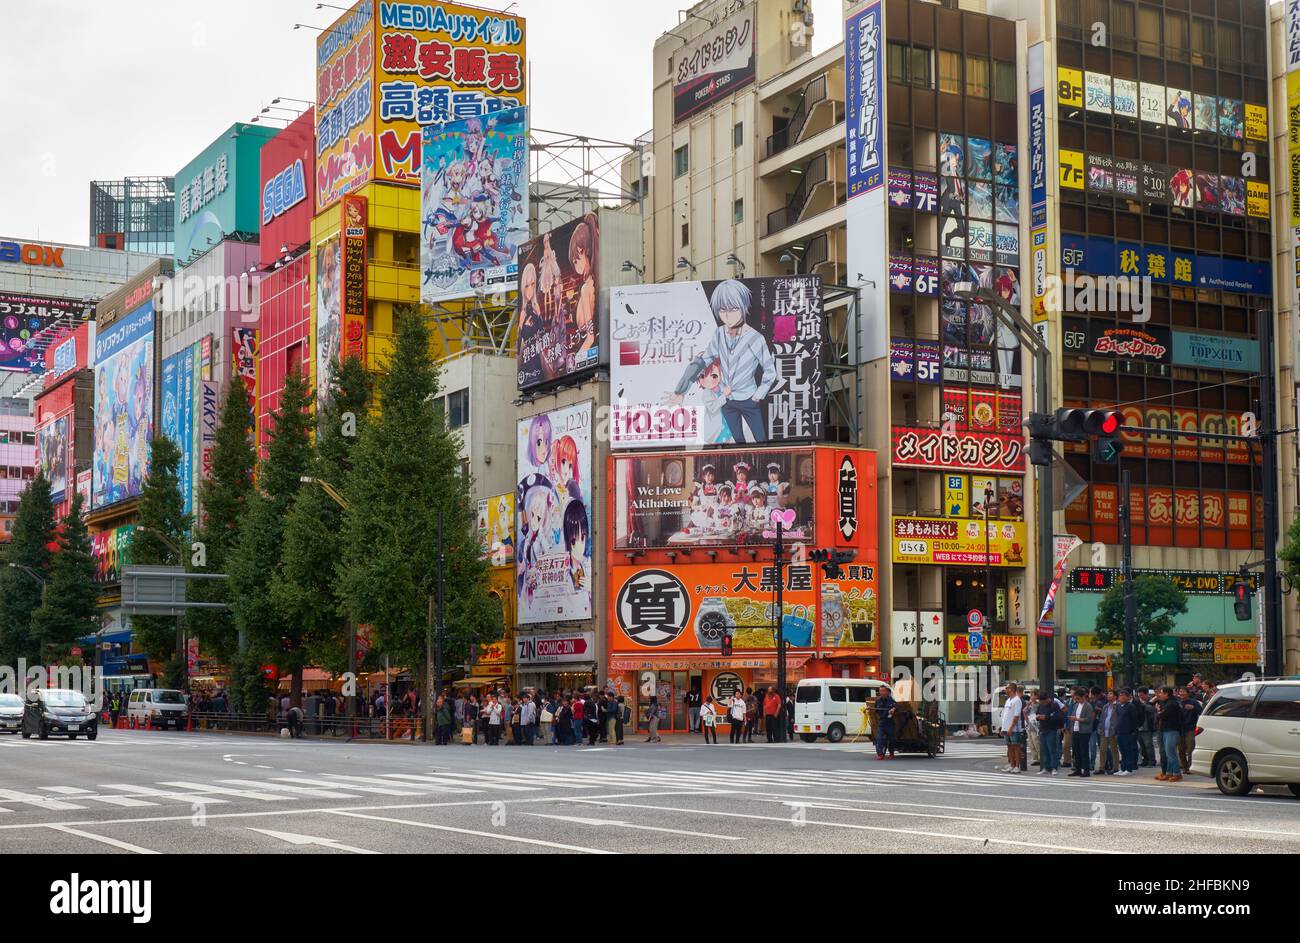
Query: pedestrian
x=752 y=711
x=294 y=717
x=652 y=720
x=579 y=708
x=1192 y=708
x=787 y=715
x=884 y=723
x=1051 y=718
x=771 y=714
x=1169 y=724
x=444 y=709
x=564 y=722
x=469 y=718
x=1013 y=727
x=528 y=720
x=1095 y=698
x=622 y=715
x=1067 y=735
x=736 y=715
x=708 y=719
x=591 y=715
x=692 y=701
x=494 y=719
x=1079 y=723
x=1032 y=737
x=1107 y=728
x=517 y=721
x=1128 y=719
x=1147 y=728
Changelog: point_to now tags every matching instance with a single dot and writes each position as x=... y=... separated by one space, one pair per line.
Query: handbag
x=547 y=717
x=797 y=628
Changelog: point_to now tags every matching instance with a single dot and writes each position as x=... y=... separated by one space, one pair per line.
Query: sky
x=103 y=90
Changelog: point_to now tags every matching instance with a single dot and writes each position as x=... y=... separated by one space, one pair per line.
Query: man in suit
x=1079 y=722
x=1128 y=721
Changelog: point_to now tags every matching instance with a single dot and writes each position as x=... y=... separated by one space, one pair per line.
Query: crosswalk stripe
x=202 y=789
x=125 y=802
x=347 y=782
x=154 y=793
x=305 y=791
x=523 y=779
x=67 y=790
x=40 y=802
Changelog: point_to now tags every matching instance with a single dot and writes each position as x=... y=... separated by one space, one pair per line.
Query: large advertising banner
x=329 y=302
x=352 y=308
x=558 y=306
x=287 y=180
x=496 y=523
x=123 y=407
x=473 y=205
x=111 y=550
x=864 y=75
x=714 y=64
x=710 y=499
x=938 y=541
x=52 y=455
x=23 y=321
x=345 y=95
x=553 y=508
x=243 y=366
x=711 y=363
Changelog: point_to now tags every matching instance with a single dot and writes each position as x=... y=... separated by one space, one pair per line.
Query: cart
x=919 y=725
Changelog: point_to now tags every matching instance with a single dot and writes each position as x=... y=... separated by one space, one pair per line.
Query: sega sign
x=284 y=191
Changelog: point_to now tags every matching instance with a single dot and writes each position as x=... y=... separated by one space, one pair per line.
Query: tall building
x=135 y=214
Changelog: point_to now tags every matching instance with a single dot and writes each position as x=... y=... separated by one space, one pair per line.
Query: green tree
x=306 y=590
x=159 y=539
x=224 y=499
x=256 y=561
x=27 y=558
x=69 y=611
x=1159 y=600
x=406 y=475
x=1290 y=552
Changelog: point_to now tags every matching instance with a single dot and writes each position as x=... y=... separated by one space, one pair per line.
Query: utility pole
x=439 y=624
x=779 y=615
x=1271 y=598
x=1130 y=591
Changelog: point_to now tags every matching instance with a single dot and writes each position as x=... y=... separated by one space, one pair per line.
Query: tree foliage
x=1159 y=600
x=159 y=539
x=70 y=609
x=29 y=552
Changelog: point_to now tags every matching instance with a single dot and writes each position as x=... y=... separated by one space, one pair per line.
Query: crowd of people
x=744 y=711
x=561 y=718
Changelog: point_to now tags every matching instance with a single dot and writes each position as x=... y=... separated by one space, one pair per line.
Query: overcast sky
x=103 y=90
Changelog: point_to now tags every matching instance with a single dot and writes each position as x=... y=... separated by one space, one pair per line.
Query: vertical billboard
x=558 y=310
x=714 y=64
x=496 y=526
x=24 y=321
x=123 y=407
x=243 y=364
x=52 y=456
x=287 y=182
x=712 y=363
x=473 y=204
x=352 y=311
x=864 y=126
x=553 y=516
x=384 y=71
x=329 y=287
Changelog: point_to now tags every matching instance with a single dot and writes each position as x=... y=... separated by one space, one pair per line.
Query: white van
x=1249 y=735
x=157 y=707
x=833 y=707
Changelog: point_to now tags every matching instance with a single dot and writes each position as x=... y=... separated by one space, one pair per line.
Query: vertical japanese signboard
x=864 y=127
x=355 y=218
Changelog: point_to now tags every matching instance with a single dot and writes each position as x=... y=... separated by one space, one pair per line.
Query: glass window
x=949 y=72
x=896 y=58
x=977 y=77
x=1094 y=11
x=686 y=234
x=1279 y=702
x=1004 y=81
x=738 y=212
x=681 y=160
x=921 y=67
x=458 y=409
x=1149 y=31
x=858 y=695
x=738 y=135
x=1175 y=34
x=1202 y=36
x=1229 y=42
x=838 y=692
x=808 y=694
x=1067 y=12
x=1234 y=703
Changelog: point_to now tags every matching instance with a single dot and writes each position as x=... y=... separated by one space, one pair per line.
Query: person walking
x=1033 y=740
x=622 y=715
x=1107 y=744
x=884 y=723
x=752 y=711
x=1169 y=722
x=736 y=715
x=528 y=719
x=1051 y=718
x=612 y=711
x=692 y=701
x=1079 y=723
x=1013 y=727
x=771 y=714
x=443 y=714
x=579 y=712
x=1128 y=719
x=1192 y=707
x=652 y=720
x=1146 y=731
x=494 y=717
x=709 y=719
x=787 y=715
x=517 y=721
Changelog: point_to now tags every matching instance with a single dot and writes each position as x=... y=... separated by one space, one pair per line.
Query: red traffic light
x=1110 y=424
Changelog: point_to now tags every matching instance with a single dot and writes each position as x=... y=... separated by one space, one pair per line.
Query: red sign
x=286 y=189
x=356 y=218
x=968 y=450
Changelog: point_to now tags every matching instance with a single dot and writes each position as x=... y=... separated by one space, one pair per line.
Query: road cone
x=148 y=723
x=189 y=723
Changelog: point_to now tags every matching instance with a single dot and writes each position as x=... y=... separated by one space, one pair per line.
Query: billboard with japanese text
x=558 y=305
x=714 y=363
x=124 y=391
x=329 y=307
x=52 y=456
x=287 y=182
x=24 y=323
x=553 y=515
x=714 y=64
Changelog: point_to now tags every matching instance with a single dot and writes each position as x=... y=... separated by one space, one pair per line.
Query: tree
x=406 y=475
x=224 y=499
x=159 y=539
x=306 y=590
x=70 y=609
x=27 y=559
x=256 y=561
x=1159 y=600
x=1290 y=552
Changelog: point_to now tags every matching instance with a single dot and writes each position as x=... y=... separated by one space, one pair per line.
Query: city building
x=18 y=462
x=135 y=214
x=64 y=411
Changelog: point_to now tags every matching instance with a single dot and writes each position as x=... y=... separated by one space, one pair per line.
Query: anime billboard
x=712 y=363
x=329 y=309
x=473 y=205
x=123 y=407
x=52 y=453
x=553 y=507
x=557 y=313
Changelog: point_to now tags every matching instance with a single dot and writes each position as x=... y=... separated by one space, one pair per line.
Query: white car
x=157 y=707
x=11 y=713
x=1249 y=735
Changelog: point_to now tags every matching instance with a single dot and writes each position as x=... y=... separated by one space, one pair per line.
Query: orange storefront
x=692 y=562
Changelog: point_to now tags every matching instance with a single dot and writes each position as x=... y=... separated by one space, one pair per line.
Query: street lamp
x=733 y=260
x=684 y=262
x=630 y=266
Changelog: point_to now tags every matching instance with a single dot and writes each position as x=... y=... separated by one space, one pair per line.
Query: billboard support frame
x=843 y=368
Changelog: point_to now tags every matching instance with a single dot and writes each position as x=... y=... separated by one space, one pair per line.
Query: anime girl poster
x=123 y=407
x=1207 y=191
x=329 y=288
x=979 y=159
x=473 y=204
x=1182 y=188
x=1005 y=165
x=557 y=307
x=552 y=505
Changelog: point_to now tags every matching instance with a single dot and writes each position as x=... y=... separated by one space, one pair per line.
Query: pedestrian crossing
x=441 y=783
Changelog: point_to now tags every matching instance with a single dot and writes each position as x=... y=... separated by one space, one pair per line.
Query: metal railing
x=815 y=172
x=813 y=93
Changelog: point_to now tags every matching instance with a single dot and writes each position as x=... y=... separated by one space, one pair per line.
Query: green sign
x=1163 y=651
x=219 y=192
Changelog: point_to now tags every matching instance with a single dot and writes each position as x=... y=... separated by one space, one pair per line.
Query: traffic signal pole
x=1130 y=593
x=1271 y=599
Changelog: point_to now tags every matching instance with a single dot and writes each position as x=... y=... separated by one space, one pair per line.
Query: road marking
x=202 y=789
x=1135 y=805
x=40 y=802
x=361 y=784
x=293 y=839
x=304 y=791
x=620 y=824
x=67 y=790
x=162 y=793
x=469 y=831
x=103 y=839
x=460 y=783
x=845 y=808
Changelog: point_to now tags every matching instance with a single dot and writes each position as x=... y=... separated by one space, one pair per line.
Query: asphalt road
x=160 y=793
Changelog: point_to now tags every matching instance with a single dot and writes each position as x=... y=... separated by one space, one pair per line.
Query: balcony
x=817 y=110
x=818 y=190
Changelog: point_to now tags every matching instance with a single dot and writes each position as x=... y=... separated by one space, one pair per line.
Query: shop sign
x=30 y=253
x=724 y=685
x=497 y=653
x=550 y=649
x=1163 y=651
x=1086 y=651
x=968 y=647
x=916 y=634
x=1192 y=582
x=1199 y=650
x=1008 y=648
x=1236 y=649
x=938 y=540
x=959 y=451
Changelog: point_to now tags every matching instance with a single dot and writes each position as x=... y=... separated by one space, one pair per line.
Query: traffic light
x=1101 y=427
x=831 y=560
x=1241 y=599
x=726 y=643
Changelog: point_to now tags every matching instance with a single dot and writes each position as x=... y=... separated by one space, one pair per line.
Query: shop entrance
x=669 y=689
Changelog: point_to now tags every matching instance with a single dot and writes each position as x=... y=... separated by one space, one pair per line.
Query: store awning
x=852 y=653
x=711 y=662
x=477 y=680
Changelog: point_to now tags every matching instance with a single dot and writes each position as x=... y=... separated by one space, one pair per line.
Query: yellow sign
x=384 y=71
x=1069 y=86
x=1293 y=141
x=968 y=647
x=1038 y=256
x=955 y=501
x=950 y=541
x=1086 y=650
x=1009 y=647
x=498 y=653
x=1257 y=198
x=1256 y=122
x=1236 y=650
x=1072 y=169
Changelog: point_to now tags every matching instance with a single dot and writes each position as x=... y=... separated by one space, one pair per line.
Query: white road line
x=602 y=823
x=305 y=791
x=844 y=808
x=103 y=839
x=1135 y=805
x=40 y=802
x=373 y=784
x=202 y=789
x=67 y=790
x=124 y=802
x=161 y=793
x=294 y=839
x=520 y=778
x=469 y=831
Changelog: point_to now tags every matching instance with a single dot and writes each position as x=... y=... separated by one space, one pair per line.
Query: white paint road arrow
x=293 y=839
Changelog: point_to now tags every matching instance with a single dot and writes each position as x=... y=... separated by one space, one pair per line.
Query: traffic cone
x=189 y=723
x=148 y=723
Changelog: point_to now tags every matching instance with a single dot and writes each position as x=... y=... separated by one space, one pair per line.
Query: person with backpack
x=652 y=720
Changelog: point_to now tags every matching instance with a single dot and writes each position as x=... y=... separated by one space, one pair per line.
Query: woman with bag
x=708 y=719
x=652 y=720
x=546 y=719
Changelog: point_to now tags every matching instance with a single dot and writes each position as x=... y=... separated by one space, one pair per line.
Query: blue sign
x=1098 y=255
x=1216 y=352
x=284 y=191
x=124 y=332
x=1037 y=153
x=864 y=61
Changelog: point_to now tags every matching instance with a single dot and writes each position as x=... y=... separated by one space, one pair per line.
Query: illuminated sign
x=284 y=191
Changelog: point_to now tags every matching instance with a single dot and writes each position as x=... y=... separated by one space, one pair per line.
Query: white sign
x=916 y=635
x=1152 y=103
x=206 y=186
x=1096 y=93
x=552 y=649
x=1124 y=99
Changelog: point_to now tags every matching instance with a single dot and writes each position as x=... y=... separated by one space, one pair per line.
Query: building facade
x=134 y=214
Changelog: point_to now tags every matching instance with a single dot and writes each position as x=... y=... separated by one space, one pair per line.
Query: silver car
x=11 y=713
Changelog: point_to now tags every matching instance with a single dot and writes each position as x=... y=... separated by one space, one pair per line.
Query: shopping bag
x=797 y=628
x=466 y=734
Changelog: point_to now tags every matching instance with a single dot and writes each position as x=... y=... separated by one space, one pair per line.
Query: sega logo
x=284 y=191
x=31 y=253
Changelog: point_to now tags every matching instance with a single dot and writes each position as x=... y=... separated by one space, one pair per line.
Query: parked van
x=158 y=707
x=833 y=707
x=1249 y=735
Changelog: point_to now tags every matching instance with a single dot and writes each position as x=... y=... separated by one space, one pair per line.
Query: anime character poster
x=123 y=407
x=1206 y=114
x=719 y=362
x=1232 y=195
x=1005 y=165
x=473 y=204
x=26 y=322
x=1207 y=191
x=557 y=313
x=329 y=288
x=979 y=158
x=1182 y=187
x=1232 y=118
x=952 y=155
x=1178 y=111
x=52 y=455
x=553 y=516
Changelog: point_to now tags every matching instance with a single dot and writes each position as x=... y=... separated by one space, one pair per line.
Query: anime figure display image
x=557 y=310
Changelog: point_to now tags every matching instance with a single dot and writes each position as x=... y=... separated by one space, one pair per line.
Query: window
x=858 y=695
x=1203 y=40
x=681 y=160
x=738 y=135
x=977 y=77
x=808 y=694
x=458 y=409
x=738 y=212
x=949 y=72
x=1149 y=31
x=920 y=65
x=686 y=234
x=1230 y=704
x=1004 y=81
x=896 y=58
x=1067 y=12
x=1279 y=702
x=838 y=692
x=1175 y=35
